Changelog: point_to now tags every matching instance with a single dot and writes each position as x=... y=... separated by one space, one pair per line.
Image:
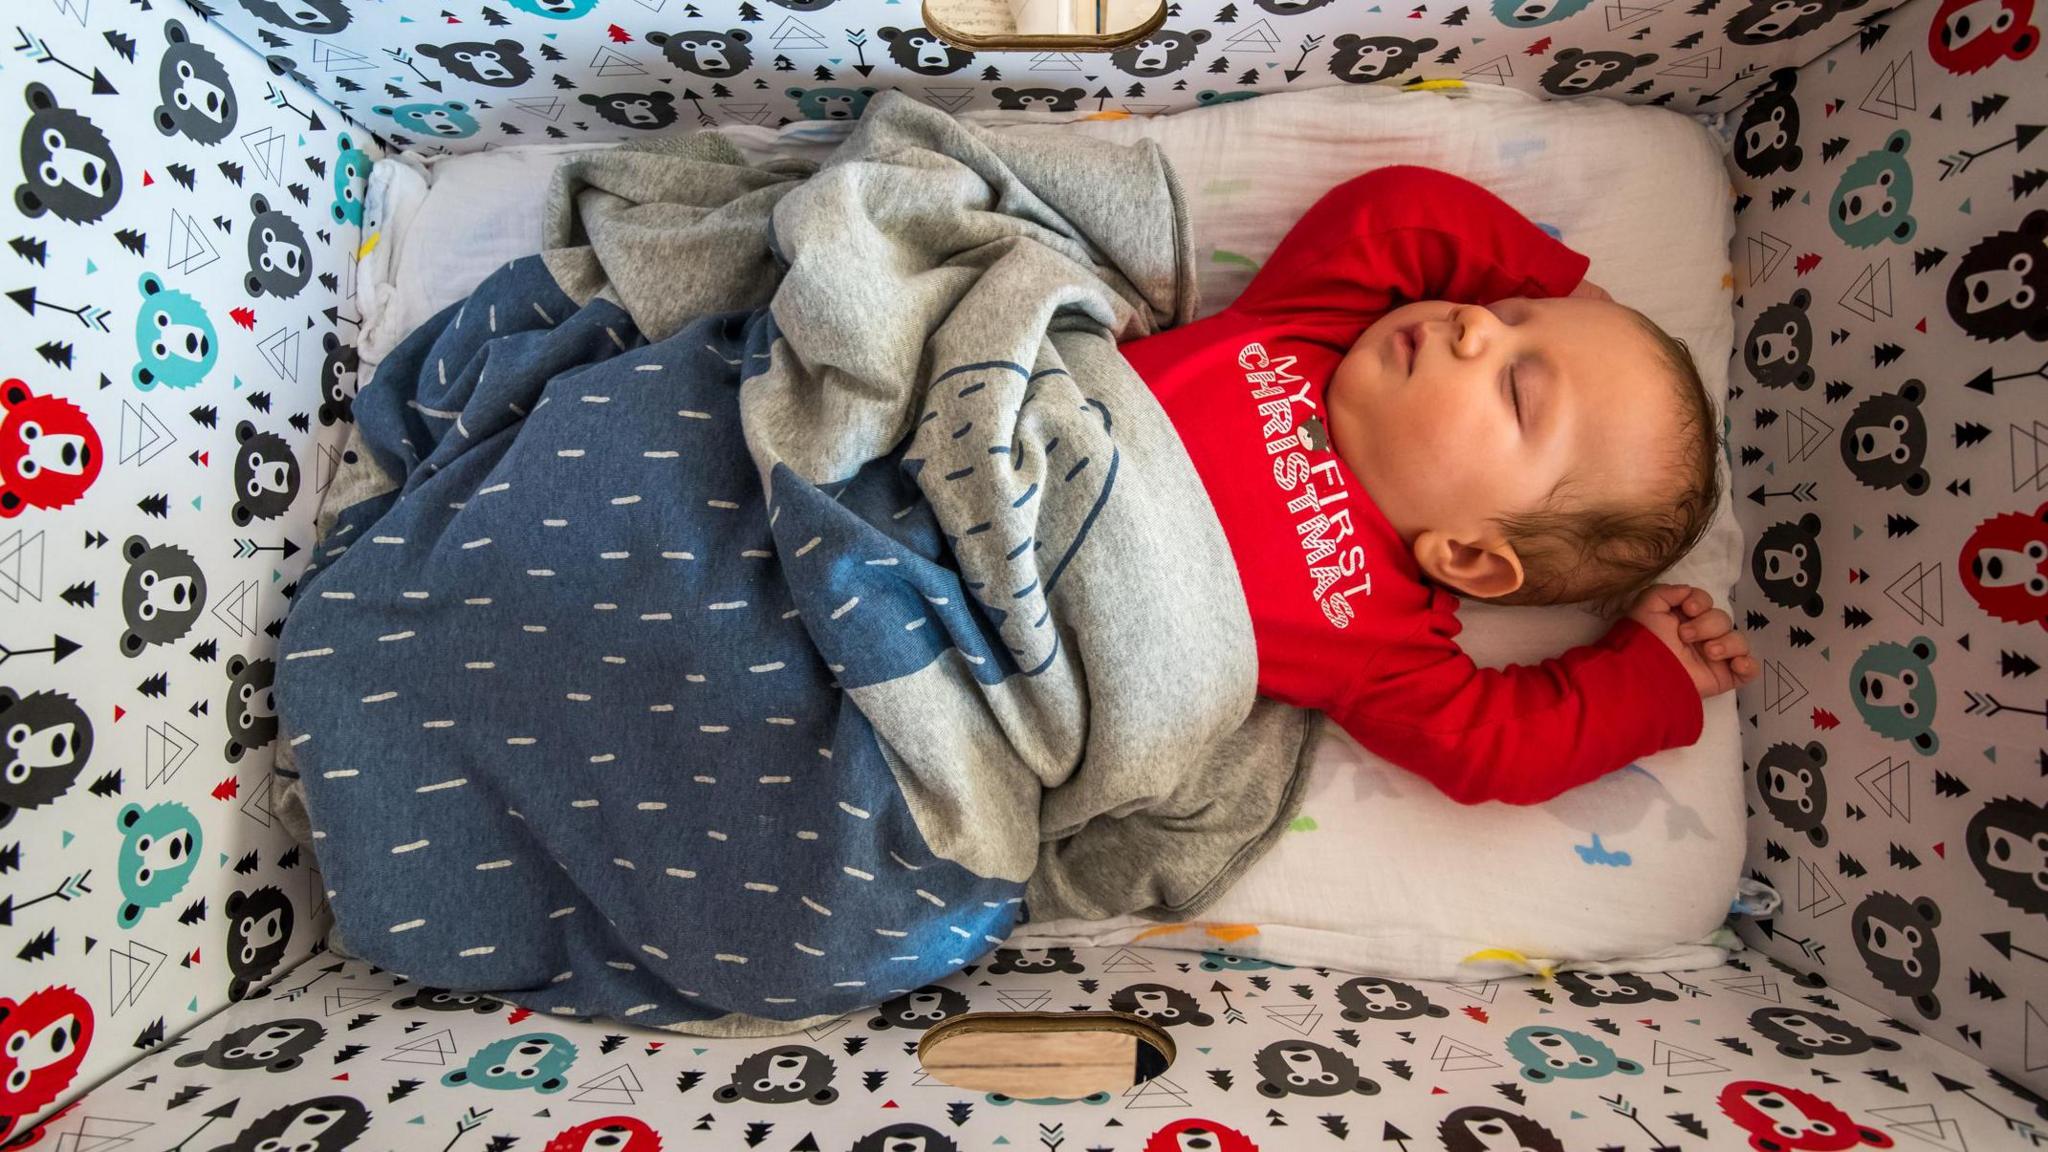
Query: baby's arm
x=1524 y=734
x=1405 y=233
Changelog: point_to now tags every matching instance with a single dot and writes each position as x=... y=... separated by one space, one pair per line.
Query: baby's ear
x=1486 y=569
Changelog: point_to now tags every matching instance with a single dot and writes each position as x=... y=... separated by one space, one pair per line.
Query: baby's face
x=1455 y=415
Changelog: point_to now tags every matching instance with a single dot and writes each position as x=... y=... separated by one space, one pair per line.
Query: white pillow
x=1381 y=872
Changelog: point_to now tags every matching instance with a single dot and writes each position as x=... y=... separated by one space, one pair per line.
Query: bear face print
x=804 y=5
x=43 y=1040
x=919 y=1009
x=1781 y=1119
x=1482 y=1128
x=198 y=101
x=1535 y=13
x=45 y=741
x=781 y=1076
x=1196 y=1134
x=921 y=51
x=645 y=110
x=1767 y=140
x=259 y=933
x=536 y=1060
x=447 y=120
x=340 y=369
x=1160 y=1004
x=1306 y=1068
x=322 y=1124
x=1038 y=99
x=159 y=848
x=706 y=53
x=1971 y=35
x=67 y=167
x=1209 y=96
x=830 y=103
x=1779 y=348
x=1874 y=199
x=1372 y=998
x=161 y=596
x=2004 y=565
x=278 y=1046
x=1560 y=1054
x=351 y=180
x=280 y=263
x=1225 y=962
x=1896 y=940
x=1787 y=566
x=498 y=63
x=174 y=338
x=2000 y=289
x=1160 y=53
x=1289 y=7
x=906 y=1138
x=266 y=475
x=251 y=709
x=2008 y=842
x=1768 y=21
x=1593 y=989
x=1576 y=73
x=1035 y=960
x=1365 y=59
x=1884 y=442
x=49 y=451
x=1803 y=1034
x=607 y=1134
x=555 y=9
x=1794 y=789
x=314 y=17
x=1893 y=689
x=442 y=1000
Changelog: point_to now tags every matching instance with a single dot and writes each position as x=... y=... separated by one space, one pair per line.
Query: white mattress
x=1380 y=872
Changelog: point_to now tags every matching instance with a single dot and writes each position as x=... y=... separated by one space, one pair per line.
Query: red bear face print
x=1781 y=1119
x=49 y=452
x=2004 y=565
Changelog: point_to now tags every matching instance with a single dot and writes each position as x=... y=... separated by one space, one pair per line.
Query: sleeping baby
x=1419 y=398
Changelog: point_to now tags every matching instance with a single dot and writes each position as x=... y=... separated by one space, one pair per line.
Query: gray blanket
x=829 y=485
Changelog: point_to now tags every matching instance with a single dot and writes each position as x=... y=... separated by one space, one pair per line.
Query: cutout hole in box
x=1046 y=1055
x=1041 y=25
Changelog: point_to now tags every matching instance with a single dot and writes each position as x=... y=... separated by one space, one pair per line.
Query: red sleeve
x=1401 y=234
x=1524 y=734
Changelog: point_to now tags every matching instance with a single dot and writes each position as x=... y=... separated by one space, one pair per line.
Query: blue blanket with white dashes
x=775 y=583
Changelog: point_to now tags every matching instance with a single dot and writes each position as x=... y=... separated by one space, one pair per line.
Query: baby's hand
x=1591 y=291
x=1700 y=635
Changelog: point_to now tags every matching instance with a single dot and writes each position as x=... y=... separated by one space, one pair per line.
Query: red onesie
x=1345 y=622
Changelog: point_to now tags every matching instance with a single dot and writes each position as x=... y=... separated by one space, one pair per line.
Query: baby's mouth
x=1405 y=341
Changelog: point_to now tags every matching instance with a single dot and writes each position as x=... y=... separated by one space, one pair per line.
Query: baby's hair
x=1575 y=551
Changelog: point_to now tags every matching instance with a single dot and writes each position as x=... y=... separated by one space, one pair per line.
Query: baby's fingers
x=1745 y=668
x=1696 y=601
x=1726 y=647
x=1713 y=625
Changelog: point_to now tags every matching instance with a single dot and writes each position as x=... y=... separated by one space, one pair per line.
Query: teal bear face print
x=830 y=103
x=536 y=1060
x=351 y=174
x=449 y=120
x=173 y=337
x=1222 y=961
x=1873 y=201
x=1893 y=685
x=556 y=9
x=1534 y=13
x=159 y=849
x=1548 y=1054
